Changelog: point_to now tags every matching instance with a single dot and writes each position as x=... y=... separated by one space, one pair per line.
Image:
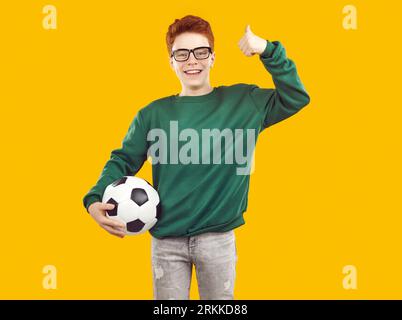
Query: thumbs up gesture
x=251 y=44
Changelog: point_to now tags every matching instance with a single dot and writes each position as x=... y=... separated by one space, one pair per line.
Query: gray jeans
x=214 y=256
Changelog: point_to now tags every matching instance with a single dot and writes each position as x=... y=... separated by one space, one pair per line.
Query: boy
x=203 y=191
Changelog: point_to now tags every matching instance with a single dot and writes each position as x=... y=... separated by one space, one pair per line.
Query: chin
x=194 y=83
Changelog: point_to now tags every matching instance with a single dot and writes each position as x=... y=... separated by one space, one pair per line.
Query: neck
x=196 y=91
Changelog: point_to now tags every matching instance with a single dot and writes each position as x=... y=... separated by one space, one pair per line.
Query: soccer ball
x=136 y=202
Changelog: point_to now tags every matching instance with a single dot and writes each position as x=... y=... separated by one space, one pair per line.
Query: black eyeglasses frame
x=189 y=53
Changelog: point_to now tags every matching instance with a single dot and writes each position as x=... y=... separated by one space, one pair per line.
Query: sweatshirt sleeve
x=289 y=95
x=127 y=160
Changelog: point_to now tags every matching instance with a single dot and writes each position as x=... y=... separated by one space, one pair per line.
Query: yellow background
x=327 y=183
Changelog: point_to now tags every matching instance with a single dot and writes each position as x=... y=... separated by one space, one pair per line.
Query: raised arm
x=289 y=95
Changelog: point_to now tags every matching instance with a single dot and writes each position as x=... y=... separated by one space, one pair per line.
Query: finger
x=247 y=51
x=248 y=29
x=115 y=224
x=250 y=51
x=242 y=41
x=114 y=231
x=107 y=206
x=112 y=223
x=244 y=47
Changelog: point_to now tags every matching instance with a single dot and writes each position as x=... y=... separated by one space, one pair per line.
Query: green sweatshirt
x=202 y=190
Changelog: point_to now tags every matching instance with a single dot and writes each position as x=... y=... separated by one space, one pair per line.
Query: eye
x=202 y=53
x=181 y=54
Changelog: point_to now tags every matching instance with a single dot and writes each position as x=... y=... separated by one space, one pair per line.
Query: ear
x=212 y=59
x=171 y=62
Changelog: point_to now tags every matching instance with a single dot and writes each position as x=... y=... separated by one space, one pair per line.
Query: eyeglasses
x=199 y=53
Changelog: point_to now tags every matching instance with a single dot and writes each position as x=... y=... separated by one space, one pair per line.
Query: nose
x=191 y=58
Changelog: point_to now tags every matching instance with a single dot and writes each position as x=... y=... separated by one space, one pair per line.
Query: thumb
x=248 y=29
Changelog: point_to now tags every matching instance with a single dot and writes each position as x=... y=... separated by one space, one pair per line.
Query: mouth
x=193 y=73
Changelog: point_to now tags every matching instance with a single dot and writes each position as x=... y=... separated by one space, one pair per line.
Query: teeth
x=192 y=71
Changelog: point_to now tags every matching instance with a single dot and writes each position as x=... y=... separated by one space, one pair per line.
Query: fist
x=251 y=44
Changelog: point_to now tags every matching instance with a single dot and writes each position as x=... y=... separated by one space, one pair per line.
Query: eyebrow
x=192 y=48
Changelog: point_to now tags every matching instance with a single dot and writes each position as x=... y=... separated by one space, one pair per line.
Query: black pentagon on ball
x=135 y=226
x=139 y=196
x=158 y=211
x=112 y=212
x=119 y=181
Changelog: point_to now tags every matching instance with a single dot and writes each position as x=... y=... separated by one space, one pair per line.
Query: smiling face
x=198 y=83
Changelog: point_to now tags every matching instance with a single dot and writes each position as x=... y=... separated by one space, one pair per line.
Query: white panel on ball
x=140 y=216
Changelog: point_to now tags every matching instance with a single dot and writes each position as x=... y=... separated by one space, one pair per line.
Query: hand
x=251 y=44
x=97 y=210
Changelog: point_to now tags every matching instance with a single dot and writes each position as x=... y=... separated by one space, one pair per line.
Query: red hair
x=189 y=23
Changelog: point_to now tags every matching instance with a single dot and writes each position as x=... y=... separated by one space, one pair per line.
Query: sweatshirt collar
x=200 y=98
